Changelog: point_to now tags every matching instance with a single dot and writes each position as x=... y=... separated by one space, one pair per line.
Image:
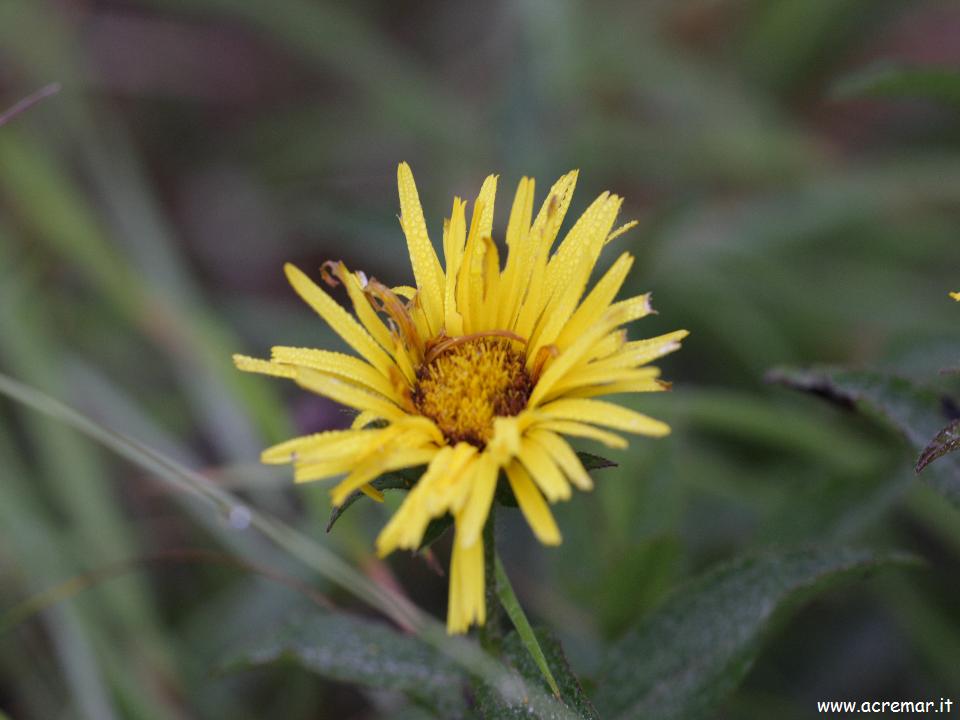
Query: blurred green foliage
x=796 y=206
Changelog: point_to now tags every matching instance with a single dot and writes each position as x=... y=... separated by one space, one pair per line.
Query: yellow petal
x=406 y=527
x=263 y=367
x=290 y=450
x=371 y=492
x=452 y=486
x=388 y=461
x=621 y=230
x=955 y=296
x=532 y=505
x=346 y=393
x=322 y=469
x=364 y=310
x=533 y=296
x=606 y=414
x=562 y=454
x=544 y=471
x=426 y=266
x=568 y=359
x=453 y=248
x=577 y=429
x=477 y=508
x=467 y=604
x=559 y=304
x=338 y=319
x=639 y=352
x=589 y=377
x=554 y=209
x=597 y=301
x=520 y=254
x=344 y=366
x=581 y=249
x=485 y=205
x=363 y=419
x=470 y=279
x=616 y=388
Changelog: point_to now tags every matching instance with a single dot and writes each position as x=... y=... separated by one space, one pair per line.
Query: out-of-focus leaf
x=23 y=105
x=435 y=530
x=918 y=413
x=514 y=653
x=946 y=441
x=894 y=81
x=687 y=656
x=345 y=648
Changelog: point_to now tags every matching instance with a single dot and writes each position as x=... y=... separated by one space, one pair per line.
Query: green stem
x=491 y=632
x=508 y=600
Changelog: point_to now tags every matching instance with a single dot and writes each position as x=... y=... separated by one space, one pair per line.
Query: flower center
x=464 y=387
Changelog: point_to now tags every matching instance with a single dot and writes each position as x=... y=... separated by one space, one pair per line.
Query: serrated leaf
x=946 y=441
x=595 y=462
x=685 y=658
x=894 y=81
x=918 y=413
x=514 y=653
x=346 y=648
x=400 y=480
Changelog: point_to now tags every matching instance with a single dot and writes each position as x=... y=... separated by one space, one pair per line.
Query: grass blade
x=464 y=652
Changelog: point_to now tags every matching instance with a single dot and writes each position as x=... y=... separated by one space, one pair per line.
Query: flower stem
x=491 y=632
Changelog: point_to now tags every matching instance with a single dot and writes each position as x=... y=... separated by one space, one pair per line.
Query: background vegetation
x=799 y=203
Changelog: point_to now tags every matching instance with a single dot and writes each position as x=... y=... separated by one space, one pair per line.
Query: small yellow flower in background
x=483 y=366
x=955 y=296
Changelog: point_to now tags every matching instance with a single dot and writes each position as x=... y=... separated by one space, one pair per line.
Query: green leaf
x=918 y=413
x=595 y=462
x=888 y=80
x=508 y=599
x=346 y=648
x=946 y=441
x=686 y=657
x=400 y=480
x=515 y=654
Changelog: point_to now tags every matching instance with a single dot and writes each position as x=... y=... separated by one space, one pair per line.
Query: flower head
x=483 y=366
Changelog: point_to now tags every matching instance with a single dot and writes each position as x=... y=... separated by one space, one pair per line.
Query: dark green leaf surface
x=886 y=80
x=595 y=462
x=684 y=659
x=400 y=480
x=345 y=648
x=514 y=653
x=946 y=441
x=918 y=413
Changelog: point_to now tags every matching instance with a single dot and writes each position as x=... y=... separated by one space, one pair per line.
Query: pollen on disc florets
x=464 y=387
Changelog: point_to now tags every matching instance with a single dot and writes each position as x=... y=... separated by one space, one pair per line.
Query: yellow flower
x=955 y=296
x=482 y=367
